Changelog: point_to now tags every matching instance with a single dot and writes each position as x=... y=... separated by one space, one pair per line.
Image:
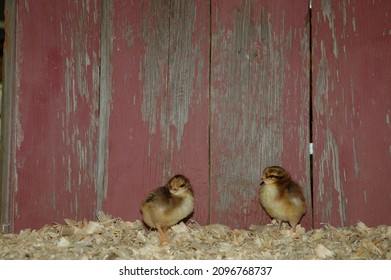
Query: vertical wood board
x=53 y=166
x=352 y=111
x=158 y=122
x=7 y=123
x=259 y=100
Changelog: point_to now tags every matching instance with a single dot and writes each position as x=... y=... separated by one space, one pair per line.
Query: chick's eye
x=274 y=177
x=182 y=186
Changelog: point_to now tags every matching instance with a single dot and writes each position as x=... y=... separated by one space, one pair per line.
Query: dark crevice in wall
x=210 y=112
x=311 y=111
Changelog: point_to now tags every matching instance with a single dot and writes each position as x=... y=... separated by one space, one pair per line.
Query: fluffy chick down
x=281 y=197
x=169 y=204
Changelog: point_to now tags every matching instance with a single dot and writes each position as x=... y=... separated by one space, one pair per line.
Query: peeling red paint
x=351 y=63
x=102 y=110
x=159 y=107
x=56 y=107
x=259 y=102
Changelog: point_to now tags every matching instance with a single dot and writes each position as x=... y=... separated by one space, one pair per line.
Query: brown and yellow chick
x=281 y=197
x=168 y=205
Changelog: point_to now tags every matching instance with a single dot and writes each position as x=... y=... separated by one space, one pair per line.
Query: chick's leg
x=293 y=225
x=162 y=236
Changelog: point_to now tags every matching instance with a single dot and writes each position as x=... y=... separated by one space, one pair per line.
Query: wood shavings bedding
x=113 y=238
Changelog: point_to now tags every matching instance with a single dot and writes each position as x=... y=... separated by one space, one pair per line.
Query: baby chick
x=281 y=197
x=167 y=205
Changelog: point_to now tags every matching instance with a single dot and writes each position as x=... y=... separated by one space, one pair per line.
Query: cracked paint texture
x=57 y=104
x=257 y=82
x=351 y=100
x=158 y=122
x=111 y=98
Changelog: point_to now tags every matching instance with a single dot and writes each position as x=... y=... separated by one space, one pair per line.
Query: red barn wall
x=157 y=99
x=259 y=99
x=352 y=110
x=105 y=100
x=49 y=171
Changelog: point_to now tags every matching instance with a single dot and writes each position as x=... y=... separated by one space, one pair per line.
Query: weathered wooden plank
x=54 y=119
x=159 y=101
x=139 y=39
x=8 y=145
x=352 y=110
x=106 y=76
x=259 y=97
x=186 y=139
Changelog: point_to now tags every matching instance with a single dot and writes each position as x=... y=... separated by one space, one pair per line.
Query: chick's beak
x=262 y=181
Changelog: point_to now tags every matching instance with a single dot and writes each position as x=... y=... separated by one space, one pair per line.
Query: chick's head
x=179 y=185
x=274 y=175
